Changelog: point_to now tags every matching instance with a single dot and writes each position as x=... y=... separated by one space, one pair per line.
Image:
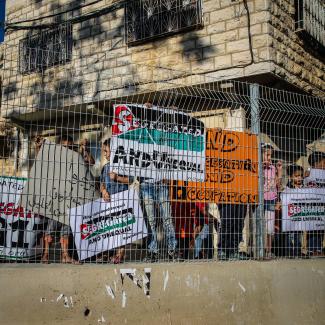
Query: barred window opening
x=46 y=49
x=147 y=19
x=310 y=22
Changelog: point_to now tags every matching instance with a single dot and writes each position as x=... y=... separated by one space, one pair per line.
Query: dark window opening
x=310 y=23
x=45 y=49
x=6 y=147
x=148 y=19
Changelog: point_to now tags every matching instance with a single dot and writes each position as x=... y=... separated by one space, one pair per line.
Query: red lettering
x=9 y=209
x=20 y=211
x=1 y=207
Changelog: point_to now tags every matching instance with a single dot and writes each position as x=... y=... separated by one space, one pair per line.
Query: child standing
x=111 y=183
x=272 y=182
x=200 y=231
x=296 y=180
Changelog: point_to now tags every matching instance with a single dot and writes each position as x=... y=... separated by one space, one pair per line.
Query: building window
x=45 y=49
x=310 y=22
x=148 y=19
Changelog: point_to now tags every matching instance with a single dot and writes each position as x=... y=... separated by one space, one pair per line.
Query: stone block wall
x=294 y=61
x=103 y=66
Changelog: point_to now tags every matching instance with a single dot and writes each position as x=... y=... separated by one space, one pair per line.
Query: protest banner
x=303 y=209
x=100 y=226
x=231 y=171
x=59 y=180
x=19 y=228
x=316 y=178
x=157 y=143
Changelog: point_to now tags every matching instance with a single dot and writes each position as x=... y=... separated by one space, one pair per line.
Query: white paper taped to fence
x=59 y=180
x=18 y=226
x=157 y=143
x=100 y=226
x=303 y=209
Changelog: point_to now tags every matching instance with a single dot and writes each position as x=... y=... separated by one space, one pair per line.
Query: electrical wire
x=74 y=20
x=114 y=7
x=57 y=14
x=249 y=31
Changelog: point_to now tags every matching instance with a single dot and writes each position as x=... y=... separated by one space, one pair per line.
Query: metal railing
x=310 y=19
x=168 y=167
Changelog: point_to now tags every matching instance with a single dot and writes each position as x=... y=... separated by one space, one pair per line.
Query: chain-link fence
x=144 y=163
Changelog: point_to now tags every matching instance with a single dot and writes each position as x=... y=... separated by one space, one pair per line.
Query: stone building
x=66 y=62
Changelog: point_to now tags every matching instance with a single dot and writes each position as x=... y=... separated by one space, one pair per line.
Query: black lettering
x=146 y=160
x=226 y=177
x=213 y=140
x=230 y=142
x=134 y=156
x=158 y=164
x=3 y=232
x=182 y=165
x=19 y=226
x=120 y=154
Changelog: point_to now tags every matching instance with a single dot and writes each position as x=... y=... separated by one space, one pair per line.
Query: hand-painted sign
x=59 y=180
x=157 y=143
x=19 y=227
x=303 y=209
x=100 y=226
x=231 y=171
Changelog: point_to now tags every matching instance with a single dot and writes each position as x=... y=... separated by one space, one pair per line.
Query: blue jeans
x=199 y=239
x=152 y=194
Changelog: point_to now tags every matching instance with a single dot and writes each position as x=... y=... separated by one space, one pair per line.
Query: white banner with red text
x=19 y=227
x=303 y=209
x=100 y=226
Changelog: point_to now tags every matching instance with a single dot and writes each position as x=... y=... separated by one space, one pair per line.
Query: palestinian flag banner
x=157 y=143
x=303 y=209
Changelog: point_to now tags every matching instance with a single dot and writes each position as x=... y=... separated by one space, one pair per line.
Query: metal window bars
x=45 y=49
x=151 y=19
x=310 y=20
x=190 y=174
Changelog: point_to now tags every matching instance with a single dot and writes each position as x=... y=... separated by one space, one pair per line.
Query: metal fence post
x=258 y=215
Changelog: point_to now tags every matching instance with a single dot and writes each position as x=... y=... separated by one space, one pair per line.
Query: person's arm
x=279 y=175
x=88 y=158
x=105 y=194
x=196 y=231
x=38 y=144
x=119 y=179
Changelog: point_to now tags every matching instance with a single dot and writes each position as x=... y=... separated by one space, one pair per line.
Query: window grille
x=148 y=19
x=47 y=48
x=310 y=21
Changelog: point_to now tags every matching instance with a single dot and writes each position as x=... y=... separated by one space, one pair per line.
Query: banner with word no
x=231 y=171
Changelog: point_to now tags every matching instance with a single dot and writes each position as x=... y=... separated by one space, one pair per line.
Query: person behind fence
x=295 y=175
x=111 y=183
x=272 y=184
x=53 y=225
x=232 y=218
x=200 y=231
x=155 y=193
x=183 y=216
x=316 y=179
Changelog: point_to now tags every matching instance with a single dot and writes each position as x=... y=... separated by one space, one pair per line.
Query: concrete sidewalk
x=275 y=292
